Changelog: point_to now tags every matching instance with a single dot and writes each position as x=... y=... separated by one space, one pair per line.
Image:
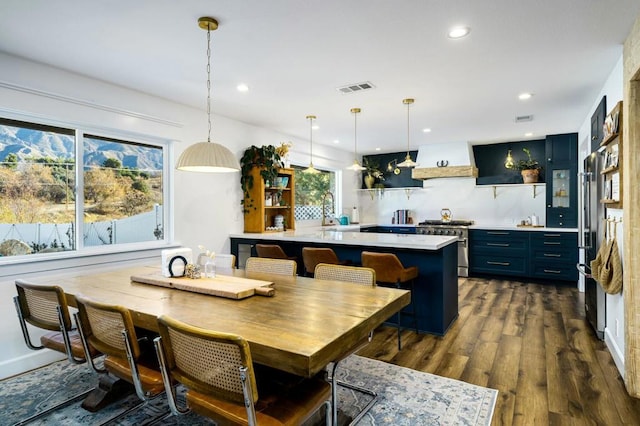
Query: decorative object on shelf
x=392 y=166
x=311 y=169
x=408 y=162
x=208 y=156
x=508 y=163
x=264 y=157
x=356 y=167
x=283 y=152
x=529 y=168
x=374 y=174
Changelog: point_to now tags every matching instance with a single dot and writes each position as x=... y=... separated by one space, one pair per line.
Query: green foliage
x=267 y=159
x=112 y=163
x=310 y=187
x=529 y=163
x=11 y=161
x=140 y=185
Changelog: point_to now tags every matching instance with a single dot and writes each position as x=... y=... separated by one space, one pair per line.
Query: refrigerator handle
x=585 y=237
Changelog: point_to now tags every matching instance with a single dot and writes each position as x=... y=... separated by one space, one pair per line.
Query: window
x=120 y=201
x=309 y=190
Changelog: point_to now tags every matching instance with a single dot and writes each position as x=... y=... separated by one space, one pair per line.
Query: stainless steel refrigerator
x=591 y=238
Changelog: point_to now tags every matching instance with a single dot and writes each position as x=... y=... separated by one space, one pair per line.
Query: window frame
x=90 y=252
x=337 y=194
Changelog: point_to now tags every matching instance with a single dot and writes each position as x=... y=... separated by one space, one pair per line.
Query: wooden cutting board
x=221 y=285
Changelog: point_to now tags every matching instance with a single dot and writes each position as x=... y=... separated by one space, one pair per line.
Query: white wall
x=206 y=207
x=614 y=329
x=467 y=201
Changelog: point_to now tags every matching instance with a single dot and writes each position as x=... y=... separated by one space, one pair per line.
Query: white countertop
x=522 y=228
x=410 y=241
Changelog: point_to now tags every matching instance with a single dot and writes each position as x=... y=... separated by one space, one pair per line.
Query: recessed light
x=458 y=32
x=242 y=87
x=336 y=141
x=528 y=134
x=378 y=149
x=426 y=130
x=524 y=96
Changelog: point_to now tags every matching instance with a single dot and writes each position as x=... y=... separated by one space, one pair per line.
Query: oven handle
x=584 y=270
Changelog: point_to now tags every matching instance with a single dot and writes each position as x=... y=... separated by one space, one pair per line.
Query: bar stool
x=390 y=271
x=312 y=256
x=273 y=251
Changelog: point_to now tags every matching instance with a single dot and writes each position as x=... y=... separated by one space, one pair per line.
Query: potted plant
x=268 y=159
x=529 y=168
x=374 y=174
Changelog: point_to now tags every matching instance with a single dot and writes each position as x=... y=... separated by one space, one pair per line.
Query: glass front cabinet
x=561 y=176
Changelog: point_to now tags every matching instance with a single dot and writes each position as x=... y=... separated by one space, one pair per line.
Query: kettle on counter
x=445 y=214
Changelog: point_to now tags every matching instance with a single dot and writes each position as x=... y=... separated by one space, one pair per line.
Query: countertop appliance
x=591 y=237
x=459 y=228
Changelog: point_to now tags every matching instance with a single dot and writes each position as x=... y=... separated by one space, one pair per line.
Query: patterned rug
x=406 y=397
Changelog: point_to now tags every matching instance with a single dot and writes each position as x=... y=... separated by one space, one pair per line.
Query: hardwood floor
x=531 y=343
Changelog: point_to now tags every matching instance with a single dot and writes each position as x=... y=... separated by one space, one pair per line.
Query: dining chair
x=311 y=256
x=390 y=271
x=223 y=384
x=110 y=329
x=45 y=307
x=271 y=266
x=272 y=251
x=356 y=275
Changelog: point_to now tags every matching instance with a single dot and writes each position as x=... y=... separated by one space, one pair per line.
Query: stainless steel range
x=459 y=228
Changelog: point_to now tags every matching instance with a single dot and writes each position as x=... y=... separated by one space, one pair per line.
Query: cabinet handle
x=552 y=243
x=498 y=244
x=497 y=233
x=552 y=271
x=489 y=262
x=552 y=255
x=553 y=235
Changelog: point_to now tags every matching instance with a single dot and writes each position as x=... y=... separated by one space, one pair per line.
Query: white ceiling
x=294 y=54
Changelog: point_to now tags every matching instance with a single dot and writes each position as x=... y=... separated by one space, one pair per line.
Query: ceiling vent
x=523 y=118
x=356 y=87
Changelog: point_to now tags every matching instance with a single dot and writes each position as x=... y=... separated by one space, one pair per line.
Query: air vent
x=356 y=87
x=523 y=118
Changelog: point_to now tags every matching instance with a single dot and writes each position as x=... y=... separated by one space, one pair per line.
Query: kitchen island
x=435 y=294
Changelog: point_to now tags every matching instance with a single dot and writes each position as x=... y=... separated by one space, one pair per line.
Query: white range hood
x=445 y=160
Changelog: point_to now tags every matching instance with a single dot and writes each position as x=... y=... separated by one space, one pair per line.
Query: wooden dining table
x=303 y=327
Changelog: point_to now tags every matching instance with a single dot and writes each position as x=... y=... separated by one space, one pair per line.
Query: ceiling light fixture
x=459 y=32
x=427 y=130
x=311 y=169
x=408 y=162
x=208 y=156
x=356 y=167
x=525 y=96
x=242 y=87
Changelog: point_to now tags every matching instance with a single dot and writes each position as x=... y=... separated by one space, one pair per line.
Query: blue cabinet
x=525 y=254
x=561 y=176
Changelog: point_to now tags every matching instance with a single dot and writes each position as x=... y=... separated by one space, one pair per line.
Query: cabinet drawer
x=555 y=270
x=561 y=218
x=502 y=265
x=554 y=239
x=496 y=241
x=555 y=255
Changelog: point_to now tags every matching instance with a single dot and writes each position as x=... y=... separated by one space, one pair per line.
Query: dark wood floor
x=531 y=343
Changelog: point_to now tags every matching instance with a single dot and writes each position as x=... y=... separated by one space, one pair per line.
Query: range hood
x=445 y=160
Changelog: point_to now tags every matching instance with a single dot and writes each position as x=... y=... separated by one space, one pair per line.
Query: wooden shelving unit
x=612 y=148
x=265 y=202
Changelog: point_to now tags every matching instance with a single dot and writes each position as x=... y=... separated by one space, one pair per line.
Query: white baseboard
x=616 y=353
x=32 y=360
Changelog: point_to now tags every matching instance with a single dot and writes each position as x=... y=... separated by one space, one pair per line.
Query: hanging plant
x=268 y=159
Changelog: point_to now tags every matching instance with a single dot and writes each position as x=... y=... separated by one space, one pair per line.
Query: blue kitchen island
x=435 y=293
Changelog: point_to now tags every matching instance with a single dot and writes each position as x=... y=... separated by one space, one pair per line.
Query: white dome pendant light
x=208 y=156
x=311 y=169
x=408 y=162
x=356 y=167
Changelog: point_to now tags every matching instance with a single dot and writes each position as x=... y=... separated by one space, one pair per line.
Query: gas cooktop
x=443 y=223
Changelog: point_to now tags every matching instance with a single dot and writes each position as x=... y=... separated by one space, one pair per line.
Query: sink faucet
x=333 y=205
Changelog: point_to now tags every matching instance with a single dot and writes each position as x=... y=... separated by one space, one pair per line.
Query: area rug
x=406 y=397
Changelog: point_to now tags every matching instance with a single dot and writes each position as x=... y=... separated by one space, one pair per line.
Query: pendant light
x=408 y=162
x=356 y=167
x=208 y=156
x=311 y=169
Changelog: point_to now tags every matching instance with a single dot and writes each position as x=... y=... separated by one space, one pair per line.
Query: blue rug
x=406 y=397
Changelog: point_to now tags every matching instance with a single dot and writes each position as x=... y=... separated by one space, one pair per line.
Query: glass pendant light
x=356 y=167
x=408 y=162
x=208 y=156
x=311 y=169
